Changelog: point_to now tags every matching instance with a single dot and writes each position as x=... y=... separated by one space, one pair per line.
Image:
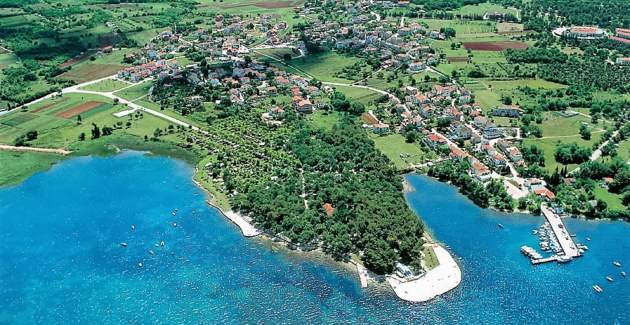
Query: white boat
x=609 y=279
x=174 y=224
x=597 y=288
x=133 y=227
x=617 y=264
x=588 y=238
x=162 y=243
x=564 y=259
x=123 y=244
x=151 y=252
x=623 y=273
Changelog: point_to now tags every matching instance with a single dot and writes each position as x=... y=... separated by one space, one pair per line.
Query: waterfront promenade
x=569 y=247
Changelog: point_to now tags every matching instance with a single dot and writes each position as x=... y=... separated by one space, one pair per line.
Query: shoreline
x=435 y=282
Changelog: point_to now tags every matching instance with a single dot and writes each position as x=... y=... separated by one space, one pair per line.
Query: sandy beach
x=435 y=282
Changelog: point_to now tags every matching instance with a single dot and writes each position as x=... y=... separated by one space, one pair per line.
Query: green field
x=482 y=8
x=323 y=66
x=324 y=120
x=135 y=92
x=555 y=125
x=108 y=85
x=17 y=166
x=549 y=146
x=401 y=153
x=362 y=95
x=613 y=201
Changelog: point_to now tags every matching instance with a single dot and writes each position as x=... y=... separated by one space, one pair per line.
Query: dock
x=569 y=248
x=544 y=260
x=363 y=275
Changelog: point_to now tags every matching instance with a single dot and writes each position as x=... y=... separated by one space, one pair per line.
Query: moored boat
x=597 y=288
x=617 y=264
x=623 y=273
x=609 y=279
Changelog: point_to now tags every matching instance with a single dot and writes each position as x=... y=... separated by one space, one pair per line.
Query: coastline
x=435 y=282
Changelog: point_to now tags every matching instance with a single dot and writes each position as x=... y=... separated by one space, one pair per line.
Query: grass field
x=555 y=124
x=324 y=120
x=394 y=147
x=613 y=201
x=324 y=66
x=364 y=96
x=108 y=85
x=18 y=166
x=549 y=146
x=482 y=8
x=624 y=150
x=135 y=92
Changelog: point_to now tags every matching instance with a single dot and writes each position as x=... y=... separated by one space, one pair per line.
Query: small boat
x=123 y=244
x=597 y=288
x=156 y=245
x=162 y=243
x=174 y=224
x=564 y=259
x=500 y=225
x=140 y=264
x=151 y=252
x=588 y=238
x=133 y=227
x=609 y=279
x=623 y=273
x=617 y=264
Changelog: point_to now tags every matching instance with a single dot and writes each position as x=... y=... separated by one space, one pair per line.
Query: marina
x=555 y=239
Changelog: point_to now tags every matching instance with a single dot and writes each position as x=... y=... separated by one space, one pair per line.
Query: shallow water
x=61 y=261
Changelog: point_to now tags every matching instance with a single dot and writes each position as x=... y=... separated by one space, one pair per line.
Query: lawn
x=430 y=259
x=395 y=148
x=624 y=150
x=107 y=85
x=324 y=120
x=464 y=27
x=613 y=201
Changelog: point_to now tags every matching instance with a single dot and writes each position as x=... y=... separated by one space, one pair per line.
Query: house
x=507 y=111
x=623 y=61
x=434 y=140
x=276 y=112
x=302 y=105
x=380 y=128
x=457 y=153
x=490 y=131
x=514 y=154
x=457 y=131
x=329 y=209
x=621 y=35
x=480 y=121
x=534 y=183
x=417 y=66
x=480 y=171
x=545 y=193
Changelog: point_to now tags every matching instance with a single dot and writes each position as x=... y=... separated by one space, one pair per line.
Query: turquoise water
x=61 y=261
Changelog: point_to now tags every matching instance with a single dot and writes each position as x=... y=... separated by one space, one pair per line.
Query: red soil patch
x=494 y=46
x=79 y=109
x=47 y=106
x=457 y=59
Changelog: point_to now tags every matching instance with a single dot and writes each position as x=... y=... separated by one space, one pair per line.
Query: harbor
x=554 y=238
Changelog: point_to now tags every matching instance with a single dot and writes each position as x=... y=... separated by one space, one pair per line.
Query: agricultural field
x=135 y=92
x=482 y=8
x=91 y=71
x=365 y=96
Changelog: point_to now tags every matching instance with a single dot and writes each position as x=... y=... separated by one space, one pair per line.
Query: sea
x=63 y=260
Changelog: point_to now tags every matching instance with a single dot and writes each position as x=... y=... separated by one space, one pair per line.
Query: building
x=545 y=193
x=584 y=32
x=623 y=61
x=490 y=132
x=380 y=128
x=302 y=105
x=507 y=111
x=621 y=35
x=434 y=140
x=480 y=171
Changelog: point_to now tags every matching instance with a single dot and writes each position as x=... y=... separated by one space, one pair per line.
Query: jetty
x=437 y=281
x=569 y=248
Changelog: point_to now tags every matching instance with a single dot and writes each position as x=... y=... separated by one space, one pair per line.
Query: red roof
x=543 y=191
x=329 y=209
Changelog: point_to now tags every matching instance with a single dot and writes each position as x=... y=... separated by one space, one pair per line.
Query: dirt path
x=33 y=149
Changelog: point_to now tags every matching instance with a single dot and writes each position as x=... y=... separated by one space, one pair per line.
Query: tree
x=79 y=119
x=411 y=136
x=31 y=135
x=585 y=132
x=448 y=32
x=82 y=136
x=96 y=131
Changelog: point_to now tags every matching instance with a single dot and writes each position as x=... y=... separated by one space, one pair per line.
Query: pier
x=569 y=248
